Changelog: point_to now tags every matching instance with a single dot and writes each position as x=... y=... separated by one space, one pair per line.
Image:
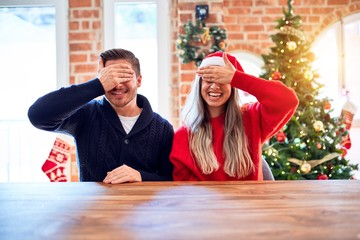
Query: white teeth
x=215 y=94
x=119 y=91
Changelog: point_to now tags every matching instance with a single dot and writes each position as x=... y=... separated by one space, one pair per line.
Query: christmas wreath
x=199 y=41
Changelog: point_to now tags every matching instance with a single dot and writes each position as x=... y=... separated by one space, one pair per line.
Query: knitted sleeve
x=276 y=102
x=54 y=109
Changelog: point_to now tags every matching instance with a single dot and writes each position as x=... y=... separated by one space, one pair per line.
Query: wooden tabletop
x=181 y=210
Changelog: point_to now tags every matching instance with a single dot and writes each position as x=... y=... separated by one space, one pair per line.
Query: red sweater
x=276 y=105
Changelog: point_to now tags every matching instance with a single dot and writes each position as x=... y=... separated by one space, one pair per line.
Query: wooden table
x=181 y=210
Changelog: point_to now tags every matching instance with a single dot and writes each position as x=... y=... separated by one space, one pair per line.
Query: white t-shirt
x=128 y=122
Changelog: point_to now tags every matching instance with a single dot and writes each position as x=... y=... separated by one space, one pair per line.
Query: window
x=338 y=56
x=32 y=42
x=142 y=27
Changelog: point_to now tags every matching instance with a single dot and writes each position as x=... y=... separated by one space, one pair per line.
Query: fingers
x=218 y=74
x=115 y=74
x=226 y=59
x=212 y=74
x=121 y=75
x=122 y=174
x=207 y=71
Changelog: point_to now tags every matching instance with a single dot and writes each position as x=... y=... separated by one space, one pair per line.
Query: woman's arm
x=276 y=102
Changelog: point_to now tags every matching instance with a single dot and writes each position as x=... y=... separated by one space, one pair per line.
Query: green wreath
x=199 y=41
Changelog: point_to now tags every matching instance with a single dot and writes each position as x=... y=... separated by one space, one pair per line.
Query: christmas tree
x=312 y=144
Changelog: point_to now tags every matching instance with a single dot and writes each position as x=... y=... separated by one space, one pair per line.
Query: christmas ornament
x=327 y=105
x=347 y=114
x=206 y=36
x=308 y=75
x=198 y=41
x=292 y=31
x=318 y=126
x=322 y=176
x=291 y=45
x=55 y=165
x=280 y=137
x=302 y=145
x=346 y=141
x=293 y=169
x=305 y=165
x=222 y=45
x=276 y=75
x=305 y=168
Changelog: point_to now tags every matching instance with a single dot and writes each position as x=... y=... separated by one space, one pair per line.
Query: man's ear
x=138 y=80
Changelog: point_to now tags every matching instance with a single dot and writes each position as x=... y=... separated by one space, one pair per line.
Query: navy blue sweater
x=101 y=142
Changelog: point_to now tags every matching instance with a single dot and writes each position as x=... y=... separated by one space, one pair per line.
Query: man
x=118 y=138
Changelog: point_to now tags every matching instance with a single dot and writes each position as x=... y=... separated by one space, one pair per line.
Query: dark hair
x=119 y=53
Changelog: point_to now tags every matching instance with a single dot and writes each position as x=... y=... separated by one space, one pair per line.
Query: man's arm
x=51 y=110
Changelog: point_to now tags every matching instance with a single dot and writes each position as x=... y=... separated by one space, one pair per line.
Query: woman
x=221 y=140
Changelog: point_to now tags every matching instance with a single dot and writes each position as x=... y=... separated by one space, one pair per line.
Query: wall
x=248 y=23
x=85 y=38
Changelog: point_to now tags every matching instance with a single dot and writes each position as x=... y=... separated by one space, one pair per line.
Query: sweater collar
x=142 y=122
x=218 y=119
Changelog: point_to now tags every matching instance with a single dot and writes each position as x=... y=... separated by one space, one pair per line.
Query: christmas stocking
x=55 y=165
x=347 y=113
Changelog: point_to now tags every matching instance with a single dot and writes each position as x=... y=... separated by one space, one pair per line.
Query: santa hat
x=216 y=59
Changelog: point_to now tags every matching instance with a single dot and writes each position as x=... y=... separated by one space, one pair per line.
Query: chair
x=267 y=171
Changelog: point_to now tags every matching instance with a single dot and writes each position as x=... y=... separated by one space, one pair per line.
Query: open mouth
x=214 y=96
x=118 y=92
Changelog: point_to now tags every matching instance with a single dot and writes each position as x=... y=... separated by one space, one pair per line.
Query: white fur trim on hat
x=212 y=61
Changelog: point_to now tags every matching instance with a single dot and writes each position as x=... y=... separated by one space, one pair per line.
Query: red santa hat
x=217 y=59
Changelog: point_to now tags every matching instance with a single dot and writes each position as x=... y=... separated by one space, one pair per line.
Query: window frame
x=163 y=43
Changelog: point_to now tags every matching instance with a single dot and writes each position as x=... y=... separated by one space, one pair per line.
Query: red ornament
x=293 y=169
x=327 y=105
x=322 y=176
x=276 y=75
x=280 y=136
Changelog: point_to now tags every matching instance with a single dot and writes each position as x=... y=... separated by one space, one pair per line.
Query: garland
x=199 y=41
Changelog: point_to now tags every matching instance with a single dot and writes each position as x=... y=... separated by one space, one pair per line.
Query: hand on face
x=114 y=74
x=122 y=174
x=218 y=74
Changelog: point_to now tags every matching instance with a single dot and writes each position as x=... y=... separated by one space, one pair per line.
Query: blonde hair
x=238 y=162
